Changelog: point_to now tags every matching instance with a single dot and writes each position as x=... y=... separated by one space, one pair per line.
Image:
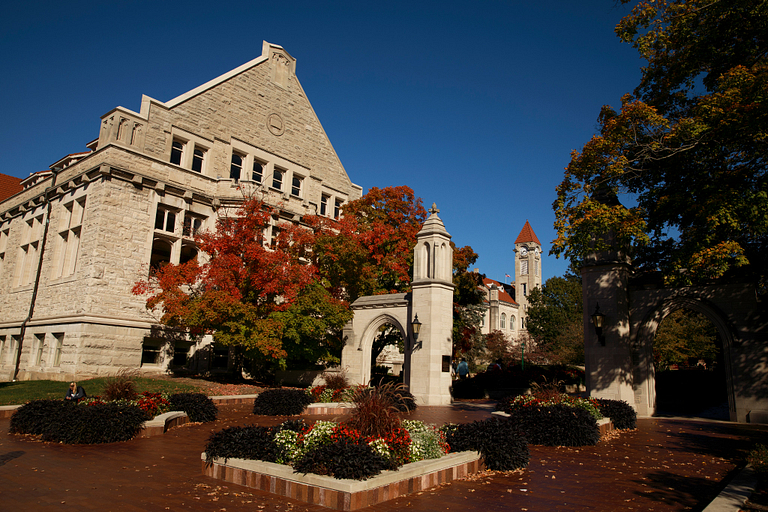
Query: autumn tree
x=468 y=304
x=369 y=250
x=684 y=335
x=265 y=301
x=685 y=153
x=555 y=319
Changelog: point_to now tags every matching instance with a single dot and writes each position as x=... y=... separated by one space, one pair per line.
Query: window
x=40 y=344
x=150 y=352
x=511 y=322
x=273 y=237
x=296 y=186
x=70 y=227
x=258 y=172
x=198 y=159
x=535 y=267
x=237 y=167
x=220 y=357
x=324 y=204
x=12 y=353
x=59 y=345
x=523 y=267
x=165 y=219
x=277 y=179
x=161 y=254
x=525 y=289
x=3 y=247
x=28 y=251
x=180 y=354
x=188 y=253
x=337 y=209
x=187 y=153
x=2 y=349
x=503 y=323
x=192 y=224
x=177 y=151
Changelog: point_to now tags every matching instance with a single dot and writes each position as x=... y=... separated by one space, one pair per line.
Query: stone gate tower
x=427 y=364
x=527 y=267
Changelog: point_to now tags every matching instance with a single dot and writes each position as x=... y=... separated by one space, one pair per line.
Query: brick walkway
x=664 y=465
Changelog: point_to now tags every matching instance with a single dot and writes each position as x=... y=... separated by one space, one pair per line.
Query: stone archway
x=427 y=365
x=619 y=365
x=370 y=314
x=645 y=375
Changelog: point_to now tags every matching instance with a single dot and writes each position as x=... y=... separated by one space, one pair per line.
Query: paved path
x=664 y=465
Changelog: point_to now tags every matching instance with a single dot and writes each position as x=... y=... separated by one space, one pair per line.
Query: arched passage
x=647 y=334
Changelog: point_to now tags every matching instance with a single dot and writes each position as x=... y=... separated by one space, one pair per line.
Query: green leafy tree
x=684 y=335
x=555 y=319
x=685 y=153
x=468 y=304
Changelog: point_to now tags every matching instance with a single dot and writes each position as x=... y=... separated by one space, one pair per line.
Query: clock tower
x=527 y=269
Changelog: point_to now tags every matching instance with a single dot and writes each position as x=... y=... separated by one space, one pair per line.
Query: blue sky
x=475 y=105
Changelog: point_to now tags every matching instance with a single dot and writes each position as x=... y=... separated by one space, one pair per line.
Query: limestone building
x=508 y=303
x=77 y=237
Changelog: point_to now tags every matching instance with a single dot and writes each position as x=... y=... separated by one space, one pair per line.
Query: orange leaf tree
x=248 y=295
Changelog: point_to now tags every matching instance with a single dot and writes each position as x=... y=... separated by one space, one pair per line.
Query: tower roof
x=527 y=235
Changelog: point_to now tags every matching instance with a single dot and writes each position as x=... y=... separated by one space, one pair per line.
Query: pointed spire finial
x=434 y=210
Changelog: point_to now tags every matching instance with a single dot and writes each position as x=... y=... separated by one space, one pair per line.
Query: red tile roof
x=527 y=235
x=9 y=186
x=503 y=295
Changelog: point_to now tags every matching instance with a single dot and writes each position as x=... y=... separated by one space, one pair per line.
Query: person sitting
x=75 y=393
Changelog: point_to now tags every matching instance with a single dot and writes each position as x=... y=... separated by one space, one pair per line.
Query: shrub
x=64 y=422
x=500 y=443
x=621 y=413
x=556 y=425
x=250 y=442
x=376 y=411
x=35 y=417
x=548 y=399
x=342 y=459
x=281 y=402
x=198 y=406
x=325 y=394
x=427 y=441
x=758 y=458
x=120 y=387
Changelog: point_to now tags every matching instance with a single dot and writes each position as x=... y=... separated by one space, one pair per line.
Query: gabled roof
x=527 y=235
x=503 y=295
x=9 y=185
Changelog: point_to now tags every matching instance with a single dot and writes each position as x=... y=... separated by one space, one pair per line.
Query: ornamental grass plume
x=376 y=411
x=120 y=386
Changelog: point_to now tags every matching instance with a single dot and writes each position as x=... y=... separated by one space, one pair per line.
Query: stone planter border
x=342 y=494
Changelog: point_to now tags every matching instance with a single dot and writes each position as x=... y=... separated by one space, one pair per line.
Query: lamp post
x=598 y=320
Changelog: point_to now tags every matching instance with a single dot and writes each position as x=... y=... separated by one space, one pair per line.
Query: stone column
x=428 y=374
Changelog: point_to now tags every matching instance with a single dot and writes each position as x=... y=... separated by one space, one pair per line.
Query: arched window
x=503 y=323
x=511 y=322
x=161 y=254
x=188 y=253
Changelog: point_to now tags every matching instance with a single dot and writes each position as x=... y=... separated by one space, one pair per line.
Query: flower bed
x=343 y=494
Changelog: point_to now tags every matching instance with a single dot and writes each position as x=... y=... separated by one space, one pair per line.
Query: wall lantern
x=598 y=320
x=416 y=326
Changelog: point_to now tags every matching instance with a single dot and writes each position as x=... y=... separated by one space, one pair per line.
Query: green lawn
x=20 y=392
